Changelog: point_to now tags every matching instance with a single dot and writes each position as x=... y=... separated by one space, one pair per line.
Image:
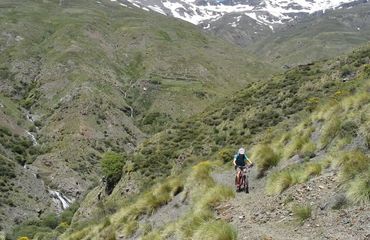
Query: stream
x=33 y=138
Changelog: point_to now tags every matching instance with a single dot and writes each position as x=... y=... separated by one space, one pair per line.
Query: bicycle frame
x=241 y=179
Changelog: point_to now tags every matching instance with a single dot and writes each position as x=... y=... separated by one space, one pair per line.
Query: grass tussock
x=157 y=196
x=264 y=157
x=359 y=189
x=302 y=212
x=216 y=230
x=352 y=163
x=130 y=227
x=280 y=181
x=152 y=236
x=330 y=130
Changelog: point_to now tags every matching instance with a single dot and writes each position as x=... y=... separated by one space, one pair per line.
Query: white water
x=60 y=199
x=29 y=117
x=33 y=138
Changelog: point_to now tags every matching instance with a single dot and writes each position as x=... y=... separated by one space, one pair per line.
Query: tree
x=112 y=164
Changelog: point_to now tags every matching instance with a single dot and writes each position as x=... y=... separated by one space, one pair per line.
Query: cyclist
x=240 y=160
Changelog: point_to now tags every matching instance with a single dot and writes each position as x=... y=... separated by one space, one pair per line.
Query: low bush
x=226 y=155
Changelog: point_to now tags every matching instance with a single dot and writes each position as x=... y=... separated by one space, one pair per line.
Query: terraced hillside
x=79 y=78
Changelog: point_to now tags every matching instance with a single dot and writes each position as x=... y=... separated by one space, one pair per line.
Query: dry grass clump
x=215 y=230
x=264 y=157
x=299 y=173
x=352 y=163
x=302 y=212
x=359 y=189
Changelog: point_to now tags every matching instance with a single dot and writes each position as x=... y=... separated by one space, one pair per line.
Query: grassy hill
x=79 y=78
x=311 y=120
x=317 y=36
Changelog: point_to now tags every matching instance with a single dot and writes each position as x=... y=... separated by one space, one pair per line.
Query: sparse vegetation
x=352 y=164
x=215 y=231
x=359 y=189
x=302 y=212
x=265 y=158
x=279 y=181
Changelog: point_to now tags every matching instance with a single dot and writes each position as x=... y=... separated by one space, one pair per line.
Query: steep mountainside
x=79 y=78
x=306 y=130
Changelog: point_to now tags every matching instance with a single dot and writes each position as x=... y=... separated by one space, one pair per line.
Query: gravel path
x=258 y=216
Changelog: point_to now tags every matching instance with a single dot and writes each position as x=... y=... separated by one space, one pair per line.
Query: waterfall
x=63 y=201
x=33 y=138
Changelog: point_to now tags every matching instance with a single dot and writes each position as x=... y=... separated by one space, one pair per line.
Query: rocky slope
x=306 y=130
x=81 y=78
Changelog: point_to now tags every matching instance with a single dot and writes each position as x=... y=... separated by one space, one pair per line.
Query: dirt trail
x=258 y=216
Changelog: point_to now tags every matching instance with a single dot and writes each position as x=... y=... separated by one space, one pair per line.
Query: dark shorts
x=241 y=167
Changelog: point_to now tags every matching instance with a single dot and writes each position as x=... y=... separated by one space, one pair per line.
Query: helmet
x=241 y=151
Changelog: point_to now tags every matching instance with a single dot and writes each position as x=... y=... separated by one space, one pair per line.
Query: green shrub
x=348 y=128
x=112 y=165
x=67 y=215
x=62 y=227
x=226 y=155
x=28 y=231
x=264 y=157
x=51 y=220
x=302 y=212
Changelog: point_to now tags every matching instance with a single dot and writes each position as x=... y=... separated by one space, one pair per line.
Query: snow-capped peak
x=267 y=12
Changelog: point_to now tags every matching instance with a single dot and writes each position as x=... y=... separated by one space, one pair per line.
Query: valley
x=119 y=121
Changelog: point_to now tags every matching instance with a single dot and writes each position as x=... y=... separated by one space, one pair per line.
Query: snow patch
x=157 y=9
x=278 y=11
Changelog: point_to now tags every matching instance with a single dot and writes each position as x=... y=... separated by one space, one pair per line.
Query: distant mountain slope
x=266 y=12
x=242 y=22
x=78 y=78
x=317 y=36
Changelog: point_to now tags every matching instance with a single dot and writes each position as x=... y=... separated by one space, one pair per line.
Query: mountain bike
x=241 y=179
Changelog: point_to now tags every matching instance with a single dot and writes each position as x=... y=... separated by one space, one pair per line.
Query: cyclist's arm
x=248 y=160
x=234 y=161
